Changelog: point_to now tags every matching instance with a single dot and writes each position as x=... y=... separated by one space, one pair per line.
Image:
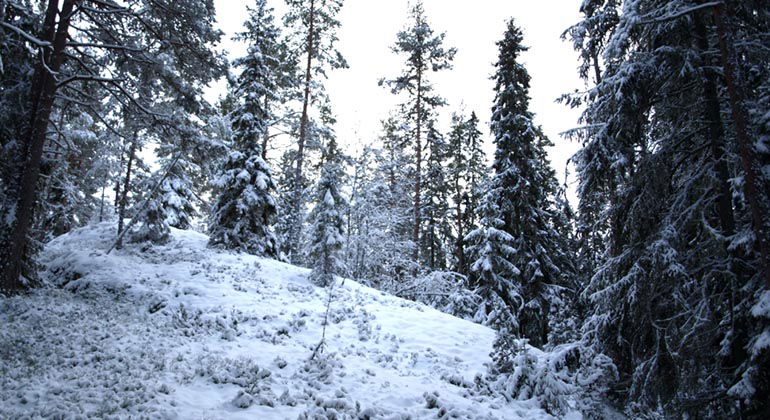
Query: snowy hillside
x=182 y=331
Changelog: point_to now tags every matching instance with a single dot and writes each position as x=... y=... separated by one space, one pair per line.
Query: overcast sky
x=369 y=28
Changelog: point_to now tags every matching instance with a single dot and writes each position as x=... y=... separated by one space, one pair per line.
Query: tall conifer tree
x=424 y=53
x=520 y=257
x=243 y=214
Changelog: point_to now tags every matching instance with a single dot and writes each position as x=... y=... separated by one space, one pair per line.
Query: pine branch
x=27 y=36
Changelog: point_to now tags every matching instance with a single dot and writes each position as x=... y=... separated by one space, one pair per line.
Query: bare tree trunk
x=303 y=127
x=117 y=180
x=126 y=188
x=43 y=92
x=754 y=186
x=101 y=204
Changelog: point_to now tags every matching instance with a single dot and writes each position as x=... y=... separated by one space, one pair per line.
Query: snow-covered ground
x=183 y=331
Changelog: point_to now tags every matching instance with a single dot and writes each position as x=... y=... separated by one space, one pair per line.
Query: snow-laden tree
x=436 y=238
x=151 y=216
x=520 y=203
x=327 y=223
x=492 y=267
x=242 y=216
x=100 y=58
x=466 y=172
x=379 y=245
x=425 y=53
x=270 y=56
x=177 y=196
x=671 y=198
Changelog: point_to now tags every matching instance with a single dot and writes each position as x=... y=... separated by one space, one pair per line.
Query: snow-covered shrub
x=445 y=291
x=570 y=376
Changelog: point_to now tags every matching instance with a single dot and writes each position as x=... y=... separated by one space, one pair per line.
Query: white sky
x=369 y=28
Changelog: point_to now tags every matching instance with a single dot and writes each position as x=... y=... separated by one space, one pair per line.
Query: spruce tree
x=672 y=299
x=466 y=172
x=242 y=216
x=517 y=234
x=327 y=220
x=278 y=75
x=176 y=194
x=437 y=236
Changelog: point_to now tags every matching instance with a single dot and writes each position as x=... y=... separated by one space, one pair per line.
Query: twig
x=321 y=344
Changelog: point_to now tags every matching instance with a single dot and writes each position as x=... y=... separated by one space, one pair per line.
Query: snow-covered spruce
x=519 y=254
x=326 y=221
x=243 y=213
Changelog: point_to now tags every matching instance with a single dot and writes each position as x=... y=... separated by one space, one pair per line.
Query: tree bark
x=418 y=170
x=124 y=198
x=303 y=126
x=266 y=134
x=41 y=105
x=754 y=182
x=716 y=134
x=306 y=101
x=460 y=232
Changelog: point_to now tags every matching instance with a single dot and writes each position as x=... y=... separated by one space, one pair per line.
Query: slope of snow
x=183 y=331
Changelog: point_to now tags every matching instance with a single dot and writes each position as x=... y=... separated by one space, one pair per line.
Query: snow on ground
x=182 y=331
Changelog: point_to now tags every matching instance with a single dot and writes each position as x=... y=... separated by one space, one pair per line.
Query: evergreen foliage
x=520 y=257
x=242 y=216
x=326 y=221
x=424 y=53
x=675 y=251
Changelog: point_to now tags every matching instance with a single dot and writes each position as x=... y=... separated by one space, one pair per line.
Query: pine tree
x=517 y=234
x=313 y=24
x=327 y=220
x=66 y=74
x=424 y=53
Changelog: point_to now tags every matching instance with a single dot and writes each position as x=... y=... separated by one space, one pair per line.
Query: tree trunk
x=754 y=182
x=418 y=170
x=117 y=180
x=266 y=134
x=715 y=133
x=460 y=233
x=303 y=127
x=306 y=101
x=126 y=188
x=43 y=93
x=101 y=203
